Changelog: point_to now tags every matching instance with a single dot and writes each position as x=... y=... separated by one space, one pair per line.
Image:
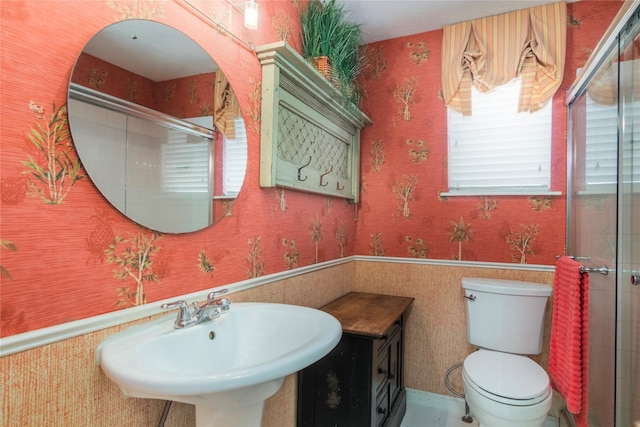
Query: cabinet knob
x=381 y=410
x=382 y=371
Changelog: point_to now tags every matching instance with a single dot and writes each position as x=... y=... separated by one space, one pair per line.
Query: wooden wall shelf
x=310 y=141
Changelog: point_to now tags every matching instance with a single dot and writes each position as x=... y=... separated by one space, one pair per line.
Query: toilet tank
x=505 y=315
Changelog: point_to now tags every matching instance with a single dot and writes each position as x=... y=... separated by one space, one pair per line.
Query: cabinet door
x=336 y=390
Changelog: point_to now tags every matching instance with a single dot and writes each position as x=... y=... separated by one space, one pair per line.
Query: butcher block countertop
x=367 y=314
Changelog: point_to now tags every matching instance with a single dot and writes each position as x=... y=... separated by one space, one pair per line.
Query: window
x=498 y=150
x=185 y=160
x=601 y=156
x=234 y=160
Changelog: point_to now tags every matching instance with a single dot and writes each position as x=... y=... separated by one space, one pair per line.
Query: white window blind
x=234 y=160
x=185 y=160
x=631 y=141
x=498 y=150
x=601 y=156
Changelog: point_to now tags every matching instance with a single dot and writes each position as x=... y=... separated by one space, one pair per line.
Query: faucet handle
x=184 y=316
x=223 y=303
x=212 y=295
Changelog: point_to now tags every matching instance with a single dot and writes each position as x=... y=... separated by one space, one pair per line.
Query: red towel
x=568 y=359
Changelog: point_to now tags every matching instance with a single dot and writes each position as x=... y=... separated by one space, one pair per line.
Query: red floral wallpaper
x=66 y=254
x=182 y=98
x=404 y=160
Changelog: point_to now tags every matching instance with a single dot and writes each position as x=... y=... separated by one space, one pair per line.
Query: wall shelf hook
x=300 y=170
x=323 y=175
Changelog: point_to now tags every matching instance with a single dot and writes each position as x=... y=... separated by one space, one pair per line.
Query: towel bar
x=602 y=270
x=576 y=258
x=583 y=269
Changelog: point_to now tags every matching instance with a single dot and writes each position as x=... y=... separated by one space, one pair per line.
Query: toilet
x=505 y=320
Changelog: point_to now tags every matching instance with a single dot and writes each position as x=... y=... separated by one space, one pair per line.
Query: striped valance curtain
x=489 y=52
x=225 y=106
x=603 y=88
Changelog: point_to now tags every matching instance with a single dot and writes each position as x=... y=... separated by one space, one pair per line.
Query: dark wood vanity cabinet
x=359 y=383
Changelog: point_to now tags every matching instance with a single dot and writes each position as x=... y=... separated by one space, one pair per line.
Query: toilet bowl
x=506 y=390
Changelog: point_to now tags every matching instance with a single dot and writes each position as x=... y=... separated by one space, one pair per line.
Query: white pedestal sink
x=226 y=367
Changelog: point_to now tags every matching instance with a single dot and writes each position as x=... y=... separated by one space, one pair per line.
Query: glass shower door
x=603 y=220
x=592 y=225
x=628 y=335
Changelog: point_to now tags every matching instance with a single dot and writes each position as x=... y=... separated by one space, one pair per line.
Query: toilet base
x=493 y=414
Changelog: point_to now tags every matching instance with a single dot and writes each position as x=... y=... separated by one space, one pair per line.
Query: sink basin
x=227 y=367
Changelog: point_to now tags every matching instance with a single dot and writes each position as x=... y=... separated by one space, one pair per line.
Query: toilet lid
x=506 y=375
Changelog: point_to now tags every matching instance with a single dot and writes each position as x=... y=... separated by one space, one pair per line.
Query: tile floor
x=435 y=410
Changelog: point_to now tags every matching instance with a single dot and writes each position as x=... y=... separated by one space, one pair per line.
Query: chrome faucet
x=209 y=310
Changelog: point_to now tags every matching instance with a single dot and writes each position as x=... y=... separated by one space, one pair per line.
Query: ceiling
x=387 y=19
x=168 y=54
x=150 y=49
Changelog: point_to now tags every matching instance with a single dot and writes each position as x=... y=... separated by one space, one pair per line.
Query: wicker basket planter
x=323 y=65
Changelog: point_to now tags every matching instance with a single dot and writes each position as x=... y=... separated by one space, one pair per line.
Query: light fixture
x=251 y=15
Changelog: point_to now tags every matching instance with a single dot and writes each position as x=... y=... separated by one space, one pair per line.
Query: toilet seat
x=506 y=378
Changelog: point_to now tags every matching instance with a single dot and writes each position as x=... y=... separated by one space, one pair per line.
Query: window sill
x=499 y=192
x=598 y=190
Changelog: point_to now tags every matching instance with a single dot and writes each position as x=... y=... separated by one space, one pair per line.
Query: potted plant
x=318 y=27
x=332 y=44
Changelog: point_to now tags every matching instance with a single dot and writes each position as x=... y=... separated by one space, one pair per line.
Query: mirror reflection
x=157 y=126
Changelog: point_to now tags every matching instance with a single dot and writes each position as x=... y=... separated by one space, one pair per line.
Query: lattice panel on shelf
x=300 y=140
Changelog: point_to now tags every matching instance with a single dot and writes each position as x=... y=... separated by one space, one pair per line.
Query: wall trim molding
x=40 y=337
x=453 y=263
x=32 y=339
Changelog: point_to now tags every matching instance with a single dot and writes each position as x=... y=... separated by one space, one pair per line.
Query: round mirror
x=157 y=126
